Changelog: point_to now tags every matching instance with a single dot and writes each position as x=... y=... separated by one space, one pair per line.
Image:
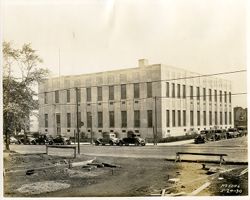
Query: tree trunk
x=7 y=141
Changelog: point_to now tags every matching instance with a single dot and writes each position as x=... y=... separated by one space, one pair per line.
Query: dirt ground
x=131 y=177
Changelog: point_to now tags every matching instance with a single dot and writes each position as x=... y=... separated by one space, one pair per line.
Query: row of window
x=182 y=122
x=197 y=93
x=149 y=93
x=100 y=119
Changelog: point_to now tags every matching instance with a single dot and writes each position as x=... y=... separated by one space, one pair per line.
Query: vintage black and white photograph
x=124 y=98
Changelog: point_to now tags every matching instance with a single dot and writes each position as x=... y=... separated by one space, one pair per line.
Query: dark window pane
x=149 y=89
x=123 y=91
x=136 y=90
x=88 y=94
x=100 y=120
x=111 y=119
x=136 y=118
x=150 y=119
x=124 y=119
x=111 y=92
x=99 y=93
x=57 y=96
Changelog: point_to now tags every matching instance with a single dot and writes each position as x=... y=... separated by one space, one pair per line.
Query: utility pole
x=77 y=121
x=91 y=130
x=155 y=128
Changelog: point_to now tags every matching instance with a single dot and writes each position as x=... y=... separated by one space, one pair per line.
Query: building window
x=68 y=96
x=111 y=92
x=46 y=121
x=123 y=91
x=100 y=120
x=58 y=123
x=111 y=119
x=191 y=92
x=57 y=96
x=198 y=118
x=179 y=117
x=204 y=94
x=230 y=118
x=184 y=117
x=198 y=93
x=173 y=118
x=191 y=118
x=215 y=95
x=68 y=120
x=220 y=118
x=150 y=119
x=167 y=89
x=45 y=97
x=204 y=118
x=78 y=95
x=210 y=95
x=215 y=118
x=136 y=90
x=149 y=89
x=184 y=91
x=124 y=119
x=178 y=91
x=89 y=120
x=136 y=118
x=220 y=96
x=225 y=118
x=229 y=94
x=225 y=96
x=173 y=90
x=167 y=118
x=210 y=118
x=99 y=93
x=88 y=94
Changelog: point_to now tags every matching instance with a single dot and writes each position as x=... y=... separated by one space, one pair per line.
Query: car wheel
x=120 y=144
x=111 y=143
x=137 y=143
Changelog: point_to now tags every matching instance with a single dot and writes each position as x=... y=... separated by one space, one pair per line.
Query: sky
x=203 y=36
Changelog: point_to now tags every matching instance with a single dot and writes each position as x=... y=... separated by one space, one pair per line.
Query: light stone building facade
x=149 y=100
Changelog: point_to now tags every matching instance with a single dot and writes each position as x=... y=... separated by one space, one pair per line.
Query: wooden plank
x=61 y=146
x=197 y=191
x=206 y=154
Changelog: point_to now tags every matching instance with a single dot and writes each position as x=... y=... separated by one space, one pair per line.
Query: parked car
x=61 y=140
x=232 y=133
x=13 y=140
x=26 y=139
x=44 y=139
x=208 y=134
x=107 y=138
x=201 y=138
x=132 y=139
x=242 y=130
x=220 y=134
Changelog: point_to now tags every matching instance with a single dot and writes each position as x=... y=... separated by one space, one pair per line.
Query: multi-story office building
x=148 y=100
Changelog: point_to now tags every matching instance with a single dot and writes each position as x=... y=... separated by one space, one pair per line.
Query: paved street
x=235 y=153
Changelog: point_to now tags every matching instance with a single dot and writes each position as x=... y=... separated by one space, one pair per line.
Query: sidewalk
x=173 y=143
x=159 y=144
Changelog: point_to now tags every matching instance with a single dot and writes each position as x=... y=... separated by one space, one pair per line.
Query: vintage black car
x=107 y=138
x=200 y=139
x=44 y=139
x=232 y=133
x=132 y=139
x=61 y=140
